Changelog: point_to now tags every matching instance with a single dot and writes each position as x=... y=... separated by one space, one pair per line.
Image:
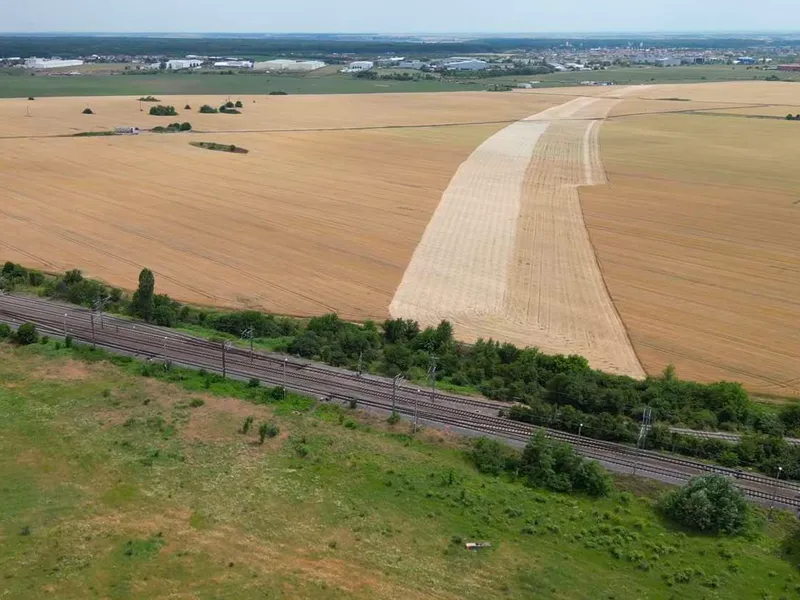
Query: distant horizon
x=473 y=34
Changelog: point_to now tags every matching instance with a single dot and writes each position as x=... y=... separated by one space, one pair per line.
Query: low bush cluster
x=173 y=128
x=163 y=111
x=543 y=463
x=711 y=503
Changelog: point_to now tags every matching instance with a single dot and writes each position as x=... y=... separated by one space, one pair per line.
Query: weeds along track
x=338 y=385
x=507 y=254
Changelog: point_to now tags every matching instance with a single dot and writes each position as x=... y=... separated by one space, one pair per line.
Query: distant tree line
x=558 y=391
x=311 y=47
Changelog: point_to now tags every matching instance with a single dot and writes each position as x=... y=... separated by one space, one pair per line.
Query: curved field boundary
x=507 y=254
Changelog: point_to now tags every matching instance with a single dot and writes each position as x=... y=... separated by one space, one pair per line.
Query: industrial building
x=471 y=64
x=183 y=63
x=795 y=67
x=50 y=63
x=360 y=65
x=411 y=64
x=234 y=64
x=289 y=65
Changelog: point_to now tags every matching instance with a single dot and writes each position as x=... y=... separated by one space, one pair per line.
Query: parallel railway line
x=470 y=415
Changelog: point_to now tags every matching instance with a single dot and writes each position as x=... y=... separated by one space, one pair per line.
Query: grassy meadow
x=119 y=485
x=19 y=84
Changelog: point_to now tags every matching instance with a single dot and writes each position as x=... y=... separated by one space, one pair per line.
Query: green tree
x=26 y=334
x=143 y=297
x=709 y=503
x=490 y=456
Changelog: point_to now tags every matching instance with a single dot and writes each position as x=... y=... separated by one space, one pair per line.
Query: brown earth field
x=697 y=238
x=306 y=223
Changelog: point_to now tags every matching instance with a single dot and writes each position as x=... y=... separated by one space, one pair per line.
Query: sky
x=407 y=16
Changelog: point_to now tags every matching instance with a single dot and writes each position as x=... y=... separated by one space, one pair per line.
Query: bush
x=393 y=418
x=277 y=93
x=254 y=382
x=267 y=430
x=26 y=334
x=790 y=117
x=206 y=109
x=710 y=503
x=5 y=331
x=68 y=342
x=558 y=467
x=186 y=126
x=31 y=98
x=187 y=107
x=149 y=99
x=163 y=111
x=490 y=456
x=88 y=111
x=238 y=104
x=248 y=422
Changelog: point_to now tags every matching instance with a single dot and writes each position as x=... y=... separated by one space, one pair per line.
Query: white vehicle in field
x=127 y=130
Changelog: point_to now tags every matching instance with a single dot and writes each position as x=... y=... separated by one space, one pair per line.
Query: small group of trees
x=543 y=463
x=791 y=117
x=25 y=335
x=265 y=430
x=710 y=503
x=149 y=99
x=206 y=109
x=231 y=107
x=163 y=111
x=173 y=128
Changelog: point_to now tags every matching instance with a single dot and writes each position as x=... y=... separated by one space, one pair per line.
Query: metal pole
x=224 y=366
x=251 y=346
x=360 y=356
x=777 y=479
x=94 y=343
x=284 y=378
x=65 y=324
x=579 y=430
x=416 y=409
x=165 y=347
x=433 y=379
x=394 y=393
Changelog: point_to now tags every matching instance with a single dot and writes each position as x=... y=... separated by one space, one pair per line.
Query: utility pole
x=647 y=417
x=98 y=306
x=395 y=380
x=433 y=377
x=579 y=430
x=65 y=324
x=224 y=366
x=94 y=342
x=248 y=333
x=416 y=409
x=777 y=479
x=360 y=357
x=284 y=378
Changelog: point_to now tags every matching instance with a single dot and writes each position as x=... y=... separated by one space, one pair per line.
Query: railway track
x=473 y=415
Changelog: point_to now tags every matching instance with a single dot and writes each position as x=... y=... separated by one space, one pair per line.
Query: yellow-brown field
x=697 y=238
x=695 y=232
x=305 y=223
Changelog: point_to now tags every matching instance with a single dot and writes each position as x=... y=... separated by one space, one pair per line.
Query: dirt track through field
x=507 y=254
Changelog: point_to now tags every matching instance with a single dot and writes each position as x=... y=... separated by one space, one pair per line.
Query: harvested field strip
x=459 y=266
x=507 y=254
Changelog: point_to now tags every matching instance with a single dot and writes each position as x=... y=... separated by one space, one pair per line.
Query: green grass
x=16 y=84
x=116 y=485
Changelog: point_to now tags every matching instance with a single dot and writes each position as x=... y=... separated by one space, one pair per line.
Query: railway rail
x=472 y=415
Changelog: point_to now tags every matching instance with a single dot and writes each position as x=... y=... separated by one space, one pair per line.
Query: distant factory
x=50 y=63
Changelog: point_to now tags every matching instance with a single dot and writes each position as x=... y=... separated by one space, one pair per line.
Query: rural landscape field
x=626 y=224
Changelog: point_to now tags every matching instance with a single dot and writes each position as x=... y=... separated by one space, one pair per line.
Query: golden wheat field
x=625 y=224
x=307 y=222
x=697 y=238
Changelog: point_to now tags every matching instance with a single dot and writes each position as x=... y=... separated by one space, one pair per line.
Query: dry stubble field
x=697 y=236
x=307 y=222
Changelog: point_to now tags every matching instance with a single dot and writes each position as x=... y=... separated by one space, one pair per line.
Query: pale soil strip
x=524 y=272
x=460 y=265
